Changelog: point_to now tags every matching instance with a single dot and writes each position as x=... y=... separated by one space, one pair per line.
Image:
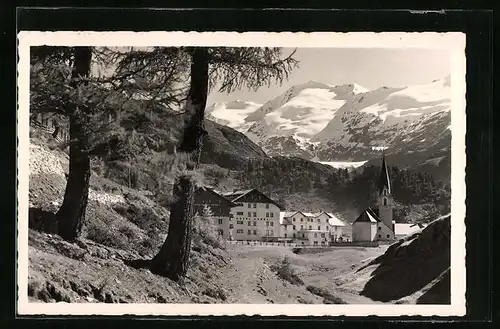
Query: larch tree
x=230 y=69
x=62 y=83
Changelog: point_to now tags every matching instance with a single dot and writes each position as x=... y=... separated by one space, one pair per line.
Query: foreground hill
x=414 y=270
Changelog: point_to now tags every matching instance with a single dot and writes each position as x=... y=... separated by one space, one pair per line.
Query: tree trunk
x=172 y=259
x=71 y=215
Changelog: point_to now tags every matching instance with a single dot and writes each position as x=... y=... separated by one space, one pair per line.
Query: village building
x=219 y=206
x=378 y=224
x=315 y=229
x=255 y=216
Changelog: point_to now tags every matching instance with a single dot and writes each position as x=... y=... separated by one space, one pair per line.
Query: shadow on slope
x=411 y=264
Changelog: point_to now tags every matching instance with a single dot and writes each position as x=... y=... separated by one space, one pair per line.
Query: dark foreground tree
x=71 y=215
x=172 y=259
x=61 y=84
x=232 y=68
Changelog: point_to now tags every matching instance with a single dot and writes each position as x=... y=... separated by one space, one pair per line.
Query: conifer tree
x=230 y=69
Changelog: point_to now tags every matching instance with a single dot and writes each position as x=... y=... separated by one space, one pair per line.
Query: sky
x=369 y=67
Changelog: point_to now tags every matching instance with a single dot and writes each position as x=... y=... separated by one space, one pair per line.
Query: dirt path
x=249 y=278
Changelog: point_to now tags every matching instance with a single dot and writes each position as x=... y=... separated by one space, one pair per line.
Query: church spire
x=384 y=181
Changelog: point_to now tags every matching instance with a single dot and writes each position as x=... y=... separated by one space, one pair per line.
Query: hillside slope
x=414 y=270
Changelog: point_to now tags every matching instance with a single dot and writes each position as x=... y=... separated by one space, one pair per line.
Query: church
x=378 y=224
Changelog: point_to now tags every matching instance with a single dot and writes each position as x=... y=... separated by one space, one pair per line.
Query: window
x=254 y=223
x=315 y=235
x=322 y=235
x=302 y=219
x=385 y=202
x=239 y=231
x=294 y=227
x=272 y=223
x=315 y=243
x=319 y=220
x=221 y=232
x=239 y=213
x=231 y=226
x=255 y=205
x=271 y=233
x=379 y=228
x=388 y=236
x=294 y=219
x=319 y=228
x=380 y=235
x=249 y=205
x=249 y=223
x=310 y=227
x=302 y=242
x=294 y=235
x=219 y=221
x=249 y=214
x=254 y=232
x=267 y=214
x=267 y=205
x=285 y=235
x=239 y=222
x=254 y=214
x=267 y=223
x=249 y=232
x=303 y=235
x=286 y=227
x=301 y=227
x=271 y=214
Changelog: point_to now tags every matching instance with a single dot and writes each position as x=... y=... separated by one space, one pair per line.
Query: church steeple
x=385 y=201
x=384 y=181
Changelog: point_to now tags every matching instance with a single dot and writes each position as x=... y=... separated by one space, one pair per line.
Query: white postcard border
x=452 y=41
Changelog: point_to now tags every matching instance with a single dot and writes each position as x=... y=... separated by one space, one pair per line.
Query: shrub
x=128 y=232
x=105 y=236
x=328 y=298
x=204 y=228
x=286 y=272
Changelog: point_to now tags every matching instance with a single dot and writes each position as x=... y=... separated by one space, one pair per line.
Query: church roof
x=384 y=178
x=369 y=215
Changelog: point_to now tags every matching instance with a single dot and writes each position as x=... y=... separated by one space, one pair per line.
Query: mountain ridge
x=321 y=122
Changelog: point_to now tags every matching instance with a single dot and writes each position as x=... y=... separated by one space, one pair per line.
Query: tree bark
x=71 y=215
x=173 y=257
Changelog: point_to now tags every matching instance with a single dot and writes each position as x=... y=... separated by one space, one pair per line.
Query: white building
x=305 y=228
x=255 y=216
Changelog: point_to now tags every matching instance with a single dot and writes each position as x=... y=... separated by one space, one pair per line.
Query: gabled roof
x=367 y=216
x=313 y=214
x=285 y=217
x=384 y=181
x=334 y=220
x=236 y=195
x=211 y=190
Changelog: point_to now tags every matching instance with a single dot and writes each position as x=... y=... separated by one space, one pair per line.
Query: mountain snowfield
x=346 y=123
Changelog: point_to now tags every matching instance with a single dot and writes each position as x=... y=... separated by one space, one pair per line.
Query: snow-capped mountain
x=232 y=114
x=327 y=123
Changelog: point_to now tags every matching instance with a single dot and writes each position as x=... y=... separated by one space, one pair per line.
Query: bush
x=105 y=236
x=328 y=298
x=204 y=228
x=128 y=232
x=286 y=272
x=143 y=217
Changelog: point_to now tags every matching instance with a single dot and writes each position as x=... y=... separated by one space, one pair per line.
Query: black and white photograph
x=180 y=173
